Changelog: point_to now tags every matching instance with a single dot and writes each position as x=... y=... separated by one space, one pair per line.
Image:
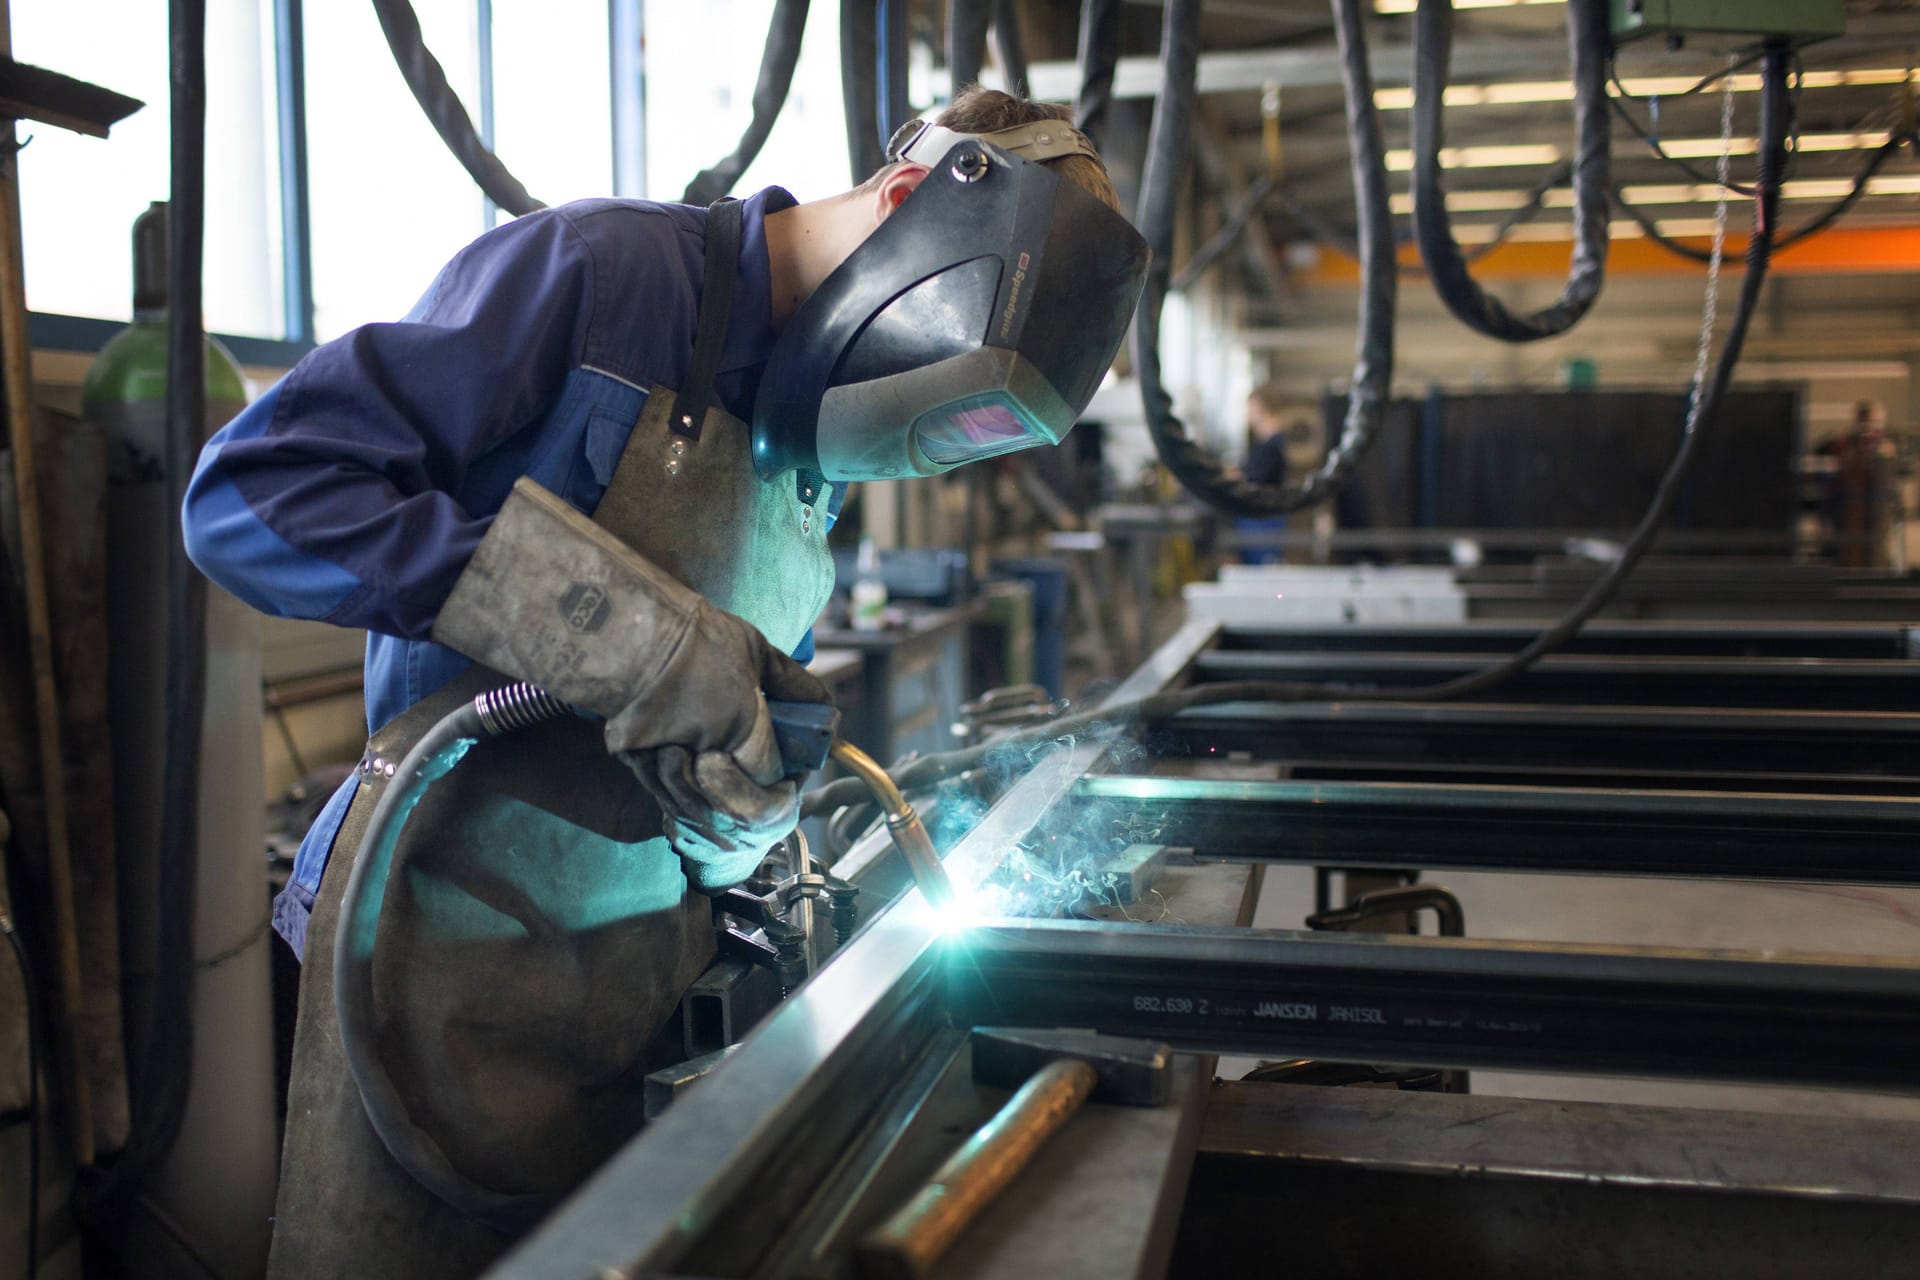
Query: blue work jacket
x=355 y=490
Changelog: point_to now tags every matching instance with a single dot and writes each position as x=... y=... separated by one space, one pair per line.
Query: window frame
x=626 y=79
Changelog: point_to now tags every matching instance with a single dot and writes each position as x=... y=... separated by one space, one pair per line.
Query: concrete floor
x=1846 y=919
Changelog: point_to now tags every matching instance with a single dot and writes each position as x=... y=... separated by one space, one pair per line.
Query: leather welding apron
x=537 y=932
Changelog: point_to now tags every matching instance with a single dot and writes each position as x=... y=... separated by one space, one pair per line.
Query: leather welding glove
x=552 y=598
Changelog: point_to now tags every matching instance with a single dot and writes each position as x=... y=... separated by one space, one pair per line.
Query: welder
x=601 y=455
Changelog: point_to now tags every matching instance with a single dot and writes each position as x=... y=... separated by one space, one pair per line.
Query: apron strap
x=725 y=222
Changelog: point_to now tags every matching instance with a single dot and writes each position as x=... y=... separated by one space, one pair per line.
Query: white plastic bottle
x=869 y=591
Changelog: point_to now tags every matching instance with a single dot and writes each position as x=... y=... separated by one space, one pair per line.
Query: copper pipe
x=909 y=1243
x=903 y=824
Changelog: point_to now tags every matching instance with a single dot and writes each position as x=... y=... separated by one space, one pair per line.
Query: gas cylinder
x=218 y=1182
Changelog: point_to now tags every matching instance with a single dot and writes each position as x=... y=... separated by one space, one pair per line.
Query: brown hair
x=1271 y=397
x=978 y=110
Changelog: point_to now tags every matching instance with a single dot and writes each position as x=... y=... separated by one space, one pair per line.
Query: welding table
x=766 y=1159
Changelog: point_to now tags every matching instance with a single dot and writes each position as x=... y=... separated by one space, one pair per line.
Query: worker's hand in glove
x=702 y=745
x=550 y=597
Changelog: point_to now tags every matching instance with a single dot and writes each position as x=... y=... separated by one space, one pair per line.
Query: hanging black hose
x=859 y=86
x=1813 y=226
x=1433 y=227
x=160 y=1086
x=1775 y=124
x=1098 y=57
x=967 y=22
x=1011 y=48
x=499 y=711
x=777 y=63
x=1776 y=121
x=428 y=82
x=1167 y=149
x=31 y=994
x=160 y=1074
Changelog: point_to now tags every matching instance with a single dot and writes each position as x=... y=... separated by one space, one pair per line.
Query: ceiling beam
x=1474 y=58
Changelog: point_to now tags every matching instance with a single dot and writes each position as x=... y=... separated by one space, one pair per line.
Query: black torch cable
x=438 y=751
x=427 y=80
x=1167 y=149
x=1099 y=55
x=1775 y=124
x=777 y=62
x=1433 y=226
x=32 y=994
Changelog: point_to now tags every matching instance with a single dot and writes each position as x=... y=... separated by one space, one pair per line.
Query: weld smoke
x=1054 y=870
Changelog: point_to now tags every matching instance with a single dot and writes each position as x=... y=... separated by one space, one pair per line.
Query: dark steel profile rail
x=1824 y=683
x=1741 y=835
x=1877 y=750
x=1452 y=1002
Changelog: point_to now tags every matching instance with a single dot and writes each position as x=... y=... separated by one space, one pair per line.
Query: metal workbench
x=768 y=1167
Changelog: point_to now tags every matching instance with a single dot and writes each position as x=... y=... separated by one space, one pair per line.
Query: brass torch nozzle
x=903 y=824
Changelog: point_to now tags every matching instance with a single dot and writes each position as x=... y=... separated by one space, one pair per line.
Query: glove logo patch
x=585 y=607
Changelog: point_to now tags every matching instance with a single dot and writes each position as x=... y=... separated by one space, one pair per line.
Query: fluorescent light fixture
x=1469 y=201
x=1528 y=155
x=1500 y=157
x=1547 y=233
x=1707 y=148
x=1519 y=92
x=1408 y=6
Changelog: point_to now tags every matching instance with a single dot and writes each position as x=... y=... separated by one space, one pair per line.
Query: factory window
x=80 y=195
x=388 y=202
x=385 y=202
x=554 y=128
x=699 y=100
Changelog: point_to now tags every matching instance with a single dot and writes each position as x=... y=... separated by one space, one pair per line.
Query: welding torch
x=808 y=736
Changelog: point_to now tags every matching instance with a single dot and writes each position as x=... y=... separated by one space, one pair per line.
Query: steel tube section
x=1872 y=748
x=1742 y=835
x=1827 y=683
x=1452 y=1002
x=770 y=1121
x=1865 y=640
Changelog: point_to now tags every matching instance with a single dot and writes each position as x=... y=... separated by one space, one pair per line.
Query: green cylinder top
x=132 y=367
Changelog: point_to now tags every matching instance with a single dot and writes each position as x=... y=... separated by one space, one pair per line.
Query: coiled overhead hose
x=1167 y=150
x=777 y=62
x=427 y=80
x=1433 y=227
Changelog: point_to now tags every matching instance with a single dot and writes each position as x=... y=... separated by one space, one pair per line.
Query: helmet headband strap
x=922 y=143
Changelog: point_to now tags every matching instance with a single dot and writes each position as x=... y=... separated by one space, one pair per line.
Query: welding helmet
x=978 y=318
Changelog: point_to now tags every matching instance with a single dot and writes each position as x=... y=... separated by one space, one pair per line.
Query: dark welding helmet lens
x=978 y=427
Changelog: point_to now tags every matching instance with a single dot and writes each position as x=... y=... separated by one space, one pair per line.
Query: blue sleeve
x=335 y=495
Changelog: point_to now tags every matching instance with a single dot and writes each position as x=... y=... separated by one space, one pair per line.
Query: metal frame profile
x=779 y=1115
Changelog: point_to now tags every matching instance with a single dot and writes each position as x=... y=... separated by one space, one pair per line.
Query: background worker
x=1266 y=464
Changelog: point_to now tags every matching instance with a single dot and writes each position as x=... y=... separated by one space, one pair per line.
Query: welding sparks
x=1063 y=866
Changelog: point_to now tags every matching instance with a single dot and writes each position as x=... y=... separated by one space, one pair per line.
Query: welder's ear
x=897 y=186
